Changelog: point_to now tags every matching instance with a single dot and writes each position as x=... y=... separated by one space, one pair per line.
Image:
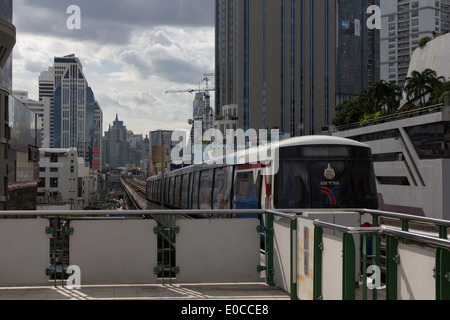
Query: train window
x=177 y=191
x=195 y=186
x=361 y=153
x=326 y=151
x=292 y=185
x=205 y=189
x=244 y=184
x=364 y=188
x=222 y=187
x=289 y=152
x=150 y=191
x=247 y=191
x=166 y=190
x=154 y=189
x=185 y=192
x=172 y=191
x=160 y=189
x=158 y=193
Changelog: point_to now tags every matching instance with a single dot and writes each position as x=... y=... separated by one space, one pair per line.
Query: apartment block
x=404 y=23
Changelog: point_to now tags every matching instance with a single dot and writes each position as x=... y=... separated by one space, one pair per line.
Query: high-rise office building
x=405 y=23
x=77 y=116
x=286 y=64
x=46 y=83
x=42 y=111
x=116 y=150
x=7 y=42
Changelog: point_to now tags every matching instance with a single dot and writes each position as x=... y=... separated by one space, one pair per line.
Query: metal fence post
x=442 y=269
x=318 y=248
x=392 y=261
x=269 y=249
x=349 y=269
x=442 y=274
x=405 y=227
x=364 y=265
x=376 y=255
x=293 y=260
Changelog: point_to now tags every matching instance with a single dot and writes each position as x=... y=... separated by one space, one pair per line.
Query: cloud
x=107 y=21
x=132 y=53
x=169 y=55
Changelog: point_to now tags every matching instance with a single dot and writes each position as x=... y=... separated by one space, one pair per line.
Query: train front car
x=313 y=172
x=324 y=172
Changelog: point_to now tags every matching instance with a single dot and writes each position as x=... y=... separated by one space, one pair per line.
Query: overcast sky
x=131 y=51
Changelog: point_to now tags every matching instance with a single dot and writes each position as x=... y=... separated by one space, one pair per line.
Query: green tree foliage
x=384 y=98
x=380 y=98
x=423 y=41
x=419 y=85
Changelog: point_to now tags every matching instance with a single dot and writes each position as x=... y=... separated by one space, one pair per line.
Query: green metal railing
x=167 y=230
x=270 y=215
x=393 y=236
x=59 y=231
x=391 y=117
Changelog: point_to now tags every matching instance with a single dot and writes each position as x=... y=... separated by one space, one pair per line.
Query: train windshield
x=325 y=177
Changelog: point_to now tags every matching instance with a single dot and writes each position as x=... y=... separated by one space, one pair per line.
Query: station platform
x=175 y=292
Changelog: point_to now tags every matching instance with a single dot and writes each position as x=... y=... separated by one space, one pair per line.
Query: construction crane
x=205 y=90
x=206 y=96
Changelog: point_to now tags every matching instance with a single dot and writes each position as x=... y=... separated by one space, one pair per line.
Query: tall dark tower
x=286 y=64
x=7 y=42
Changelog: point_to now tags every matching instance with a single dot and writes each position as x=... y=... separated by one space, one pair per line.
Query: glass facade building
x=288 y=63
x=24 y=142
x=117 y=149
x=6 y=12
x=77 y=115
x=7 y=42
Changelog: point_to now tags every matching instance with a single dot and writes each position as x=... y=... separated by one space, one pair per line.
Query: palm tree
x=420 y=84
x=414 y=87
x=386 y=94
x=394 y=97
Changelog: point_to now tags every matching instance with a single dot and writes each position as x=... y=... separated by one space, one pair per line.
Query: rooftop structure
x=411 y=160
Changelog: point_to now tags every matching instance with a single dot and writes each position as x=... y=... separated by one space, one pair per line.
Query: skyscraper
x=46 y=90
x=77 y=116
x=116 y=153
x=7 y=42
x=406 y=22
x=286 y=64
x=42 y=111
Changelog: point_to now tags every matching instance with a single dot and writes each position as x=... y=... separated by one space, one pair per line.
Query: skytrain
x=311 y=172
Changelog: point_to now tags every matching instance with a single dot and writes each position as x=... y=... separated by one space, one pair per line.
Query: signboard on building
x=351 y=26
x=96 y=158
x=156 y=154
